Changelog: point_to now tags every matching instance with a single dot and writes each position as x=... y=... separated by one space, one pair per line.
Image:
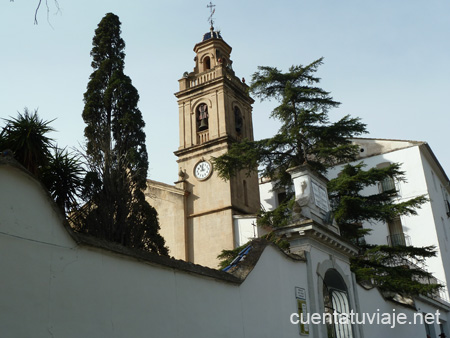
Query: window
x=429 y=328
x=388 y=184
x=202 y=117
x=335 y=299
x=238 y=121
x=206 y=63
x=396 y=236
x=446 y=202
x=281 y=197
x=443 y=328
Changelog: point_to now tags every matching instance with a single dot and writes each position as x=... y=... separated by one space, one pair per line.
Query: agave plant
x=63 y=177
x=60 y=171
x=26 y=136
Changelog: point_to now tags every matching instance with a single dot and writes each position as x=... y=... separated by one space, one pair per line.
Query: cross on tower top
x=212 y=10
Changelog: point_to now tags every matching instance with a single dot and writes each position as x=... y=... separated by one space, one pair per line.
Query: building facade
x=424 y=176
x=202 y=214
x=198 y=213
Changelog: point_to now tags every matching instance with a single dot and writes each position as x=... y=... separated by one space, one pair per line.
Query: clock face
x=202 y=170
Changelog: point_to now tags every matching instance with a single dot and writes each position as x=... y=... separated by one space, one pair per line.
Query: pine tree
x=306 y=134
x=398 y=269
x=115 y=149
x=307 y=137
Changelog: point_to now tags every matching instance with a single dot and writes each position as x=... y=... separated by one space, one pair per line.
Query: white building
x=424 y=176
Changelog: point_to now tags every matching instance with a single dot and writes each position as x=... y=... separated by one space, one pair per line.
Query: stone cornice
x=201 y=147
x=312 y=230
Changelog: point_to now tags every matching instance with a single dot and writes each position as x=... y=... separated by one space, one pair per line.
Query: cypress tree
x=116 y=154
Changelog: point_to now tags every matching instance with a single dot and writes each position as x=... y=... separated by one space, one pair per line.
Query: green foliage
x=306 y=134
x=275 y=239
x=308 y=137
x=227 y=256
x=397 y=269
x=58 y=170
x=63 y=178
x=26 y=136
x=351 y=207
x=279 y=217
x=116 y=154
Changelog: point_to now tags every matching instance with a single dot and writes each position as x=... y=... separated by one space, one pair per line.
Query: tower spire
x=211 y=10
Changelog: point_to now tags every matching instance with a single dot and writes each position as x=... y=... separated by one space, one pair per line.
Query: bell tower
x=214 y=111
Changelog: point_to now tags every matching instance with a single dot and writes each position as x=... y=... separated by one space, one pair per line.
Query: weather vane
x=212 y=10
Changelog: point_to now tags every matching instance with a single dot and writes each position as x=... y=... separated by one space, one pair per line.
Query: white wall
x=372 y=302
x=53 y=287
x=269 y=200
x=245 y=229
x=422 y=228
x=435 y=185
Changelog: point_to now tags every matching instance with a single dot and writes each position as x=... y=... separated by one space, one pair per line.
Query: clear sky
x=388 y=62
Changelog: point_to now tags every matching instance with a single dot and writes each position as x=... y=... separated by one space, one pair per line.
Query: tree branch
x=58 y=9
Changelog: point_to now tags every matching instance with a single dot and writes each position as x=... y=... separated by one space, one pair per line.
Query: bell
x=203 y=124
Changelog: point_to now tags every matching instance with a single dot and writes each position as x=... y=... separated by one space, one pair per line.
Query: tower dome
x=212 y=34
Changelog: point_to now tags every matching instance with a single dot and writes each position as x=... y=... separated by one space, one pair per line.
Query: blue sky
x=388 y=62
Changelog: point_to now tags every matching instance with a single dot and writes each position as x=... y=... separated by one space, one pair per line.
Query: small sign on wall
x=320 y=196
x=300 y=296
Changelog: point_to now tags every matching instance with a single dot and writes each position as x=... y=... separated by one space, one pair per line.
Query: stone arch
x=196 y=103
x=207 y=62
x=238 y=117
x=332 y=277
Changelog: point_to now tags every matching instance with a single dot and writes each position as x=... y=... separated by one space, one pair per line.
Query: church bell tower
x=214 y=111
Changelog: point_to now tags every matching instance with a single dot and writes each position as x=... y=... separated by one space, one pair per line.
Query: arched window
x=238 y=121
x=335 y=299
x=206 y=63
x=202 y=117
